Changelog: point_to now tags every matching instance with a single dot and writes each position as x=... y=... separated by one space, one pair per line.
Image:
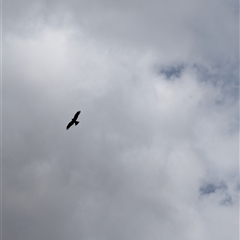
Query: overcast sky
x=156 y=153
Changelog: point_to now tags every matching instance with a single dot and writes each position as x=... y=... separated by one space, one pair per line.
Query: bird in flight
x=74 y=120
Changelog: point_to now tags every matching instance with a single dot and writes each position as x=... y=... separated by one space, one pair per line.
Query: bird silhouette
x=74 y=120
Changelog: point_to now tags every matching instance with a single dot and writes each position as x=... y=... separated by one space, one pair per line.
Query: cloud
x=176 y=31
x=211 y=188
x=149 y=155
x=172 y=72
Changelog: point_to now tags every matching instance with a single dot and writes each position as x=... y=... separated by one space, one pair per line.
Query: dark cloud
x=209 y=188
x=224 y=195
x=172 y=71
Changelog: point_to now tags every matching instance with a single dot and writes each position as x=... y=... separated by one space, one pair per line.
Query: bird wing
x=76 y=115
x=70 y=124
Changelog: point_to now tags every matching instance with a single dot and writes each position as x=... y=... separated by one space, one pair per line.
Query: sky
x=156 y=152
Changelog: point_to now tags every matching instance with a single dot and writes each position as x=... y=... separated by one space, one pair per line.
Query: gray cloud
x=134 y=166
x=172 y=71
